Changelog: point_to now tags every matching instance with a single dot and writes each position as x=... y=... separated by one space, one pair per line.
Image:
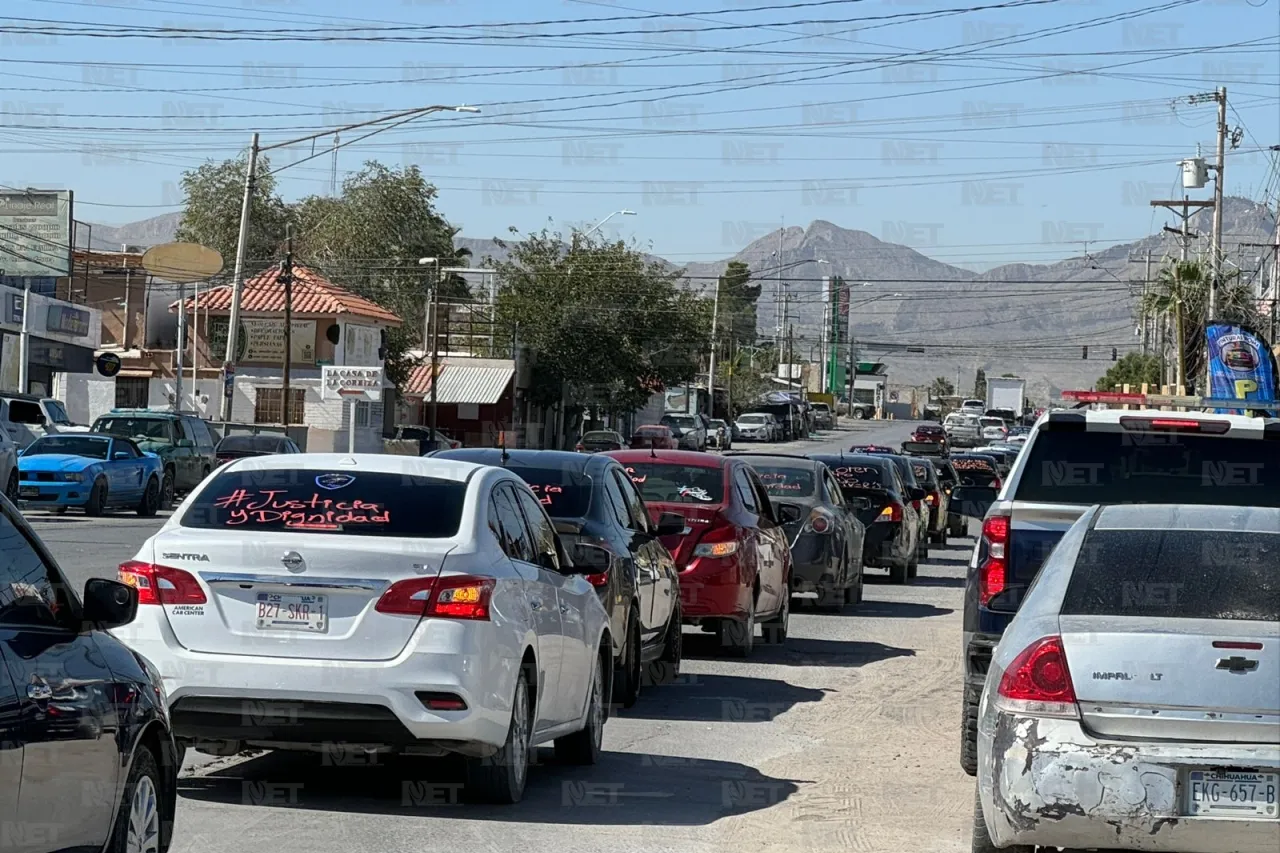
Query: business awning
x=482 y=386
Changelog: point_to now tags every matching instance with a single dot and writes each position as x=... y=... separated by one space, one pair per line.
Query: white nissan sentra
x=373 y=604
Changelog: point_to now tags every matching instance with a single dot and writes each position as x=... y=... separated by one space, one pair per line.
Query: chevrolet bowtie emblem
x=1238 y=664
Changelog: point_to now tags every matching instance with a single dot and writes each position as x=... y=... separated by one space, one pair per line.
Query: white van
x=26 y=417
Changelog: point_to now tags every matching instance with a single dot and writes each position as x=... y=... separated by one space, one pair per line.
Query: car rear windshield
x=782 y=481
x=600 y=436
x=322 y=501
x=652 y=431
x=71 y=445
x=856 y=479
x=974 y=471
x=1128 y=467
x=565 y=493
x=250 y=444
x=1191 y=574
x=147 y=429
x=924 y=473
x=668 y=483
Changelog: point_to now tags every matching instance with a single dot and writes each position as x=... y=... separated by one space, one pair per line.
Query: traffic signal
x=1113 y=353
x=1084 y=352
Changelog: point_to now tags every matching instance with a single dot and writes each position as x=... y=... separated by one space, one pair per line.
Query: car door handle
x=564 y=608
x=535 y=604
x=39 y=692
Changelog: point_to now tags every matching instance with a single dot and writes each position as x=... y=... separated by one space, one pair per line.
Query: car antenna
x=653 y=453
x=502 y=443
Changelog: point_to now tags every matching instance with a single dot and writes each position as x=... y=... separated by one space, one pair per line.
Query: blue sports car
x=93 y=471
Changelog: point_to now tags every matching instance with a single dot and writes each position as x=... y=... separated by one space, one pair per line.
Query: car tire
x=982 y=842
x=859 y=414
x=666 y=669
x=626 y=684
x=968 y=736
x=898 y=573
x=168 y=489
x=150 y=503
x=738 y=636
x=583 y=746
x=97 y=503
x=831 y=599
x=856 y=591
x=140 y=818
x=204 y=473
x=913 y=568
x=11 y=487
x=776 y=629
x=500 y=778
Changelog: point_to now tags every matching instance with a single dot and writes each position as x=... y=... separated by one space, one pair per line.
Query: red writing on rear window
x=971 y=465
x=314 y=513
x=631 y=472
x=546 y=494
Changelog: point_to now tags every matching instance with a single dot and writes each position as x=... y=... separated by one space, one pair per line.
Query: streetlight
x=594 y=228
x=251 y=172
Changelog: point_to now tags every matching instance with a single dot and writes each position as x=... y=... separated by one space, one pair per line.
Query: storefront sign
x=68 y=321
x=338 y=382
x=13 y=305
x=35 y=232
x=262 y=339
x=108 y=364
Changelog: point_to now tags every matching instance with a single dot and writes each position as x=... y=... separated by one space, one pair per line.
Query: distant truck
x=1006 y=393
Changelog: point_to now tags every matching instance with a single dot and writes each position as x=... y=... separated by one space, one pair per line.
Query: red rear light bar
x=1117 y=398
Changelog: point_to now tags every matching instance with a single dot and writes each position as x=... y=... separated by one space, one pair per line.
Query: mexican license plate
x=279 y=611
x=28 y=491
x=1231 y=793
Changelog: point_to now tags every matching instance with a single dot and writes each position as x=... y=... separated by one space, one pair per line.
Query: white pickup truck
x=26 y=417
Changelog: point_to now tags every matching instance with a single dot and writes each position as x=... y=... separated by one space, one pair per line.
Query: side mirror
x=670 y=524
x=589 y=559
x=789 y=513
x=185 y=442
x=916 y=494
x=972 y=501
x=109 y=604
x=21 y=450
x=120 y=454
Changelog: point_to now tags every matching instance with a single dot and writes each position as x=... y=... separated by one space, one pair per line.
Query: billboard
x=35 y=233
x=1241 y=365
x=838 y=333
x=261 y=339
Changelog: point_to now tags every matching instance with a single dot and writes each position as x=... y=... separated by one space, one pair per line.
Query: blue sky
x=1006 y=134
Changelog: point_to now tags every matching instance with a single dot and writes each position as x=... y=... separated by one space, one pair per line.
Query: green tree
x=738 y=298
x=941 y=387
x=606 y=326
x=213 y=195
x=980 y=385
x=1133 y=369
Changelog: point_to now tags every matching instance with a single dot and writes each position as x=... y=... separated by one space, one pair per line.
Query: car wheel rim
x=144 y=819
x=597 y=708
x=520 y=735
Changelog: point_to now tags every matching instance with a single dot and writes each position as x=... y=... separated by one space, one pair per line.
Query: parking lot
x=843 y=739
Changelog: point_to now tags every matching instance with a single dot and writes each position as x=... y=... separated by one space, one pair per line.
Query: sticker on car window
x=696 y=493
x=333 y=482
x=636 y=478
x=971 y=465
x=546 y=494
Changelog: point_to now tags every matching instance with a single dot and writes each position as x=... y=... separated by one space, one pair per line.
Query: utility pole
x=780 y=323
x=790 y=353
x=711 y=370
x=433 y=320
x=286 y=278
x=24 y=350
x=1215 y=252
x=728 y=386
x=823 y=345
x=237 y=285
x=182 y=345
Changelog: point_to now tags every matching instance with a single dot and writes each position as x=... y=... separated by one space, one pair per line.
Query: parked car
x=721 y=435
x=791 y=424
x=88 y=761
x=824 y=529
x=733 y=555
x=428 y=441
x=992 y=428
x=9 y=465
x=962 y=429
x=690 y=430
x=183 y=442
x=245 y=445
x=654 y=436
x=936 y=498
x=1075 y=459
x=604 y=523
x=279 y=598
x=757 y=426
x=1145 y=659
x=26 y=417
x=861 y=410
x=96 y=472
x=957 y=522
x=600 y=440
x=891 y=526
x=823 y=417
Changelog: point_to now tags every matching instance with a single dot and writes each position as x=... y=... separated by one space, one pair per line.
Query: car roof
x=1236 y=519
x=692 y=458
x=380 y=463
x=142 y=413
x=492 y=456
x=780 y=458
x=1255 y=427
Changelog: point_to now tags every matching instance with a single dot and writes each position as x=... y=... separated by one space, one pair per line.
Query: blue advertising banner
x=1241 y=364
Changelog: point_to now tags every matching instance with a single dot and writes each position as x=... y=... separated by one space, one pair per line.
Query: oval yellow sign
x=182 y=262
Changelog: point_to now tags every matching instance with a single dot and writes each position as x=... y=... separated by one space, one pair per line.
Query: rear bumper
x=1046 y=782
x=882 y=544
x=713 y=589
x=305 y=702
x=813 y=562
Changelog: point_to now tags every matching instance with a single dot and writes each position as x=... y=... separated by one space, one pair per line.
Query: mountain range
x=1030 y=320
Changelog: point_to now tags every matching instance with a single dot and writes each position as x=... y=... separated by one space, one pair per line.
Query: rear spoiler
x=923 y=448
x=1264 y=408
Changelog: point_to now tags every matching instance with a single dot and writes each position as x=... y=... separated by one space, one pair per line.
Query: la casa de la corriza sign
x=340 y=380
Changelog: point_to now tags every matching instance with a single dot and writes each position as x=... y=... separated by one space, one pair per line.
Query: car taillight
x=893 y=512
x=996 y=484
x=579 y=448
x=931 y=499
x=1038 y=681
x=1175 y=425
x=599 y=579
x=459 y=597
x=820 y=521
x=992 y=574
x=161 y=584
x=719 y=541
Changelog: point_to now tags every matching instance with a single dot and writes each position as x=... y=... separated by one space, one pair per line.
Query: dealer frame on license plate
x=282 y=611
x=28 y=491
x=1232 y=793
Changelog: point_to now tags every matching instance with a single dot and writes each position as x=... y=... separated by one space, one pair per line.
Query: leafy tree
x=213 y=196
x=941 y=387
x=1133 y=369
x=980 y=385
x=738 y=298
x=607 y=327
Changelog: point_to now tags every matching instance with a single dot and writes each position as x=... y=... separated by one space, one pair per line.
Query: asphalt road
x=843 y=739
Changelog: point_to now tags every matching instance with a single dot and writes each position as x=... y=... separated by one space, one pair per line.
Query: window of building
x=132 y=392
x=362 y=414
x=268 y=405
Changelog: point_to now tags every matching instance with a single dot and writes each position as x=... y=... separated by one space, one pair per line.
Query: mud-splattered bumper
x=1046 y=782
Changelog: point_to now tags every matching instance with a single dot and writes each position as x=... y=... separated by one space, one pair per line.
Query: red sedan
x=733 y=555
x=929 y=434
x=655 y=436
